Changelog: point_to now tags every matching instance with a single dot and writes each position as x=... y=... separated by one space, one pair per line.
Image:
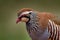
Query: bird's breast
x=34 y=29
x=36 y=33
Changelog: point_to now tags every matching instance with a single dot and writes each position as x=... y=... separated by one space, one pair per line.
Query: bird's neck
x=33 y=24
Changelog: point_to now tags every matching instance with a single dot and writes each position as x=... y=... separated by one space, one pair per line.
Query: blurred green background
x=9 y=30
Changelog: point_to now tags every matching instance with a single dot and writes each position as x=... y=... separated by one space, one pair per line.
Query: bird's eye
x=30 y=13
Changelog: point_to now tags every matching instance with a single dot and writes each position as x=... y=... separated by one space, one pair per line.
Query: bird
x=40 y=25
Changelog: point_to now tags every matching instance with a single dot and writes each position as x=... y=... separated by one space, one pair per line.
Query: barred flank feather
x=53 y=30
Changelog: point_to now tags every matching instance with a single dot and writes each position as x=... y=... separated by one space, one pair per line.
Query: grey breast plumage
x=34 y=29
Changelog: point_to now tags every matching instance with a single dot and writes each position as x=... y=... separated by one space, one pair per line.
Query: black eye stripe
x=24 y=16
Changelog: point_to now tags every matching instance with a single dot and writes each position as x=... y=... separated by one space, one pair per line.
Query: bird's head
x=24 y=15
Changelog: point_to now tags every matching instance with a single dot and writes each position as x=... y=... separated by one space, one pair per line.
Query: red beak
x=18 y=20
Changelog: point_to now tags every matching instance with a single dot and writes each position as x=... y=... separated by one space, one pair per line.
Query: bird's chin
x=24 y=19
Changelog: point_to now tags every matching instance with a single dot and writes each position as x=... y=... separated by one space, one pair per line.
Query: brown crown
x=25 y=9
